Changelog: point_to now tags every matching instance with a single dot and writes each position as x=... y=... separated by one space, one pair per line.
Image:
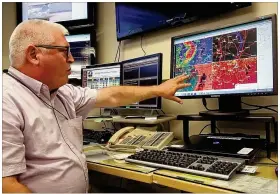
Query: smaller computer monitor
x=66 y=13
x=143 y=71
x=82 y=52
x=101 y=76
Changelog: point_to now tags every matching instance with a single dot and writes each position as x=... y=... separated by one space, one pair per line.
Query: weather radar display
x=218 y=62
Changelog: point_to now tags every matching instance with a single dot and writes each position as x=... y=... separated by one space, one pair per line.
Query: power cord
x=258 y=107
x=115 y=128
x=273 y=160
x=266 y=163
x=204 y=128
x=142 y=46
x=207 y=126
x=104 y=123
x=204 y=102
x=118 y=52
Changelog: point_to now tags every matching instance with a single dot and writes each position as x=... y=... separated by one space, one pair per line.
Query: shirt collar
x=31 y=83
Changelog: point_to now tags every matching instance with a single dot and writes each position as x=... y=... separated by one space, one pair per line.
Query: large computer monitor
x=228 y=62
x=143 y=71
x=101 y=76
x=82 y=52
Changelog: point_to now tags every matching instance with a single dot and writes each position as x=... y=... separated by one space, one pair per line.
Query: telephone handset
x=115 y=138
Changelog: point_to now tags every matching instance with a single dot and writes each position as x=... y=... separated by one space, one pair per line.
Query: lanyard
x=47 y=104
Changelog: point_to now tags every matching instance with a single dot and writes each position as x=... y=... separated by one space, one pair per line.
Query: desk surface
x=124 y=173
x=143 y=121
x=173 y=179
x=120 y=119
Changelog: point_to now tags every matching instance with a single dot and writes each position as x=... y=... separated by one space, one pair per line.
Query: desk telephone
x=140 y=137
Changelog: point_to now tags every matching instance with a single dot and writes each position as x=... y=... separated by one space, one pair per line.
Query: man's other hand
x=168 y=88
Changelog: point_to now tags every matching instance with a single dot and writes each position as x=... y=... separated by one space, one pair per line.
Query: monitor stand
x=228 y=106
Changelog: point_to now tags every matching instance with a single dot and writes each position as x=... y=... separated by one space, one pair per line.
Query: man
x=42 y=115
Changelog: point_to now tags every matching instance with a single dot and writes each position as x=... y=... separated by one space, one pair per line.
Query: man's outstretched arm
x=124 y=95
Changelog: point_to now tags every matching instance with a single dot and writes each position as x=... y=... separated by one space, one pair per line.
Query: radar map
x=218 y=62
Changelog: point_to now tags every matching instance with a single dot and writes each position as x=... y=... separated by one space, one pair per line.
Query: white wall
x=8 y=25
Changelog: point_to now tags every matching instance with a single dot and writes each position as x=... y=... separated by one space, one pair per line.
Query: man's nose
x=70 y=58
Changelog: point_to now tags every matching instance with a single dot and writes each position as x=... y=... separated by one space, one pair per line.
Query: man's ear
x=32 y=55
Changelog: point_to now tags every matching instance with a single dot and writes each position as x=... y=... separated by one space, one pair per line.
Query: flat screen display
x=134 y=18
x=101 y=76
x=82 y=52
x=54 y=11
x=143 y=71
x=232 y=60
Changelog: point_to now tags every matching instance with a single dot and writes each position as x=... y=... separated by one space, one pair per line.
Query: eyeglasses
x=61 y=48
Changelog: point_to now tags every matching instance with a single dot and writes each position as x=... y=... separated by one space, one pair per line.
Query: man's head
x=39 y=49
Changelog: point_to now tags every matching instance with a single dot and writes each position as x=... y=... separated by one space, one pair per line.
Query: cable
x=207 y=126
x=204 y=128
x=264 y=163
x=204 y=102
x=117 y=51
x=142 y=46
x=273 y=161
x=262 y=108
x=218 y=129
x=104 y=123
x=258 y=107
x=254 y=105
x=113 y=124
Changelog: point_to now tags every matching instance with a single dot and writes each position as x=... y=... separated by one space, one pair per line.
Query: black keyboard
x=101 y=137
x=199 y=164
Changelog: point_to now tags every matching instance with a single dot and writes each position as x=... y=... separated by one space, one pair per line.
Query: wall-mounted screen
x=134 y=18
x=54 y=11
x=80 y=47
x=66 y=13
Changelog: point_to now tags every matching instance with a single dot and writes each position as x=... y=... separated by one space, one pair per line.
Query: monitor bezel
x=98 y=66
x=89 y=21
x=274 y=50
x=159 y=105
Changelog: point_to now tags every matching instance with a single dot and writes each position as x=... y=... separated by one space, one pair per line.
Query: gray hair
x=31 y=32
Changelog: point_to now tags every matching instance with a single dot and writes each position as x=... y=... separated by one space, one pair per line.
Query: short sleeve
x=13 y=149
x=84 y=99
